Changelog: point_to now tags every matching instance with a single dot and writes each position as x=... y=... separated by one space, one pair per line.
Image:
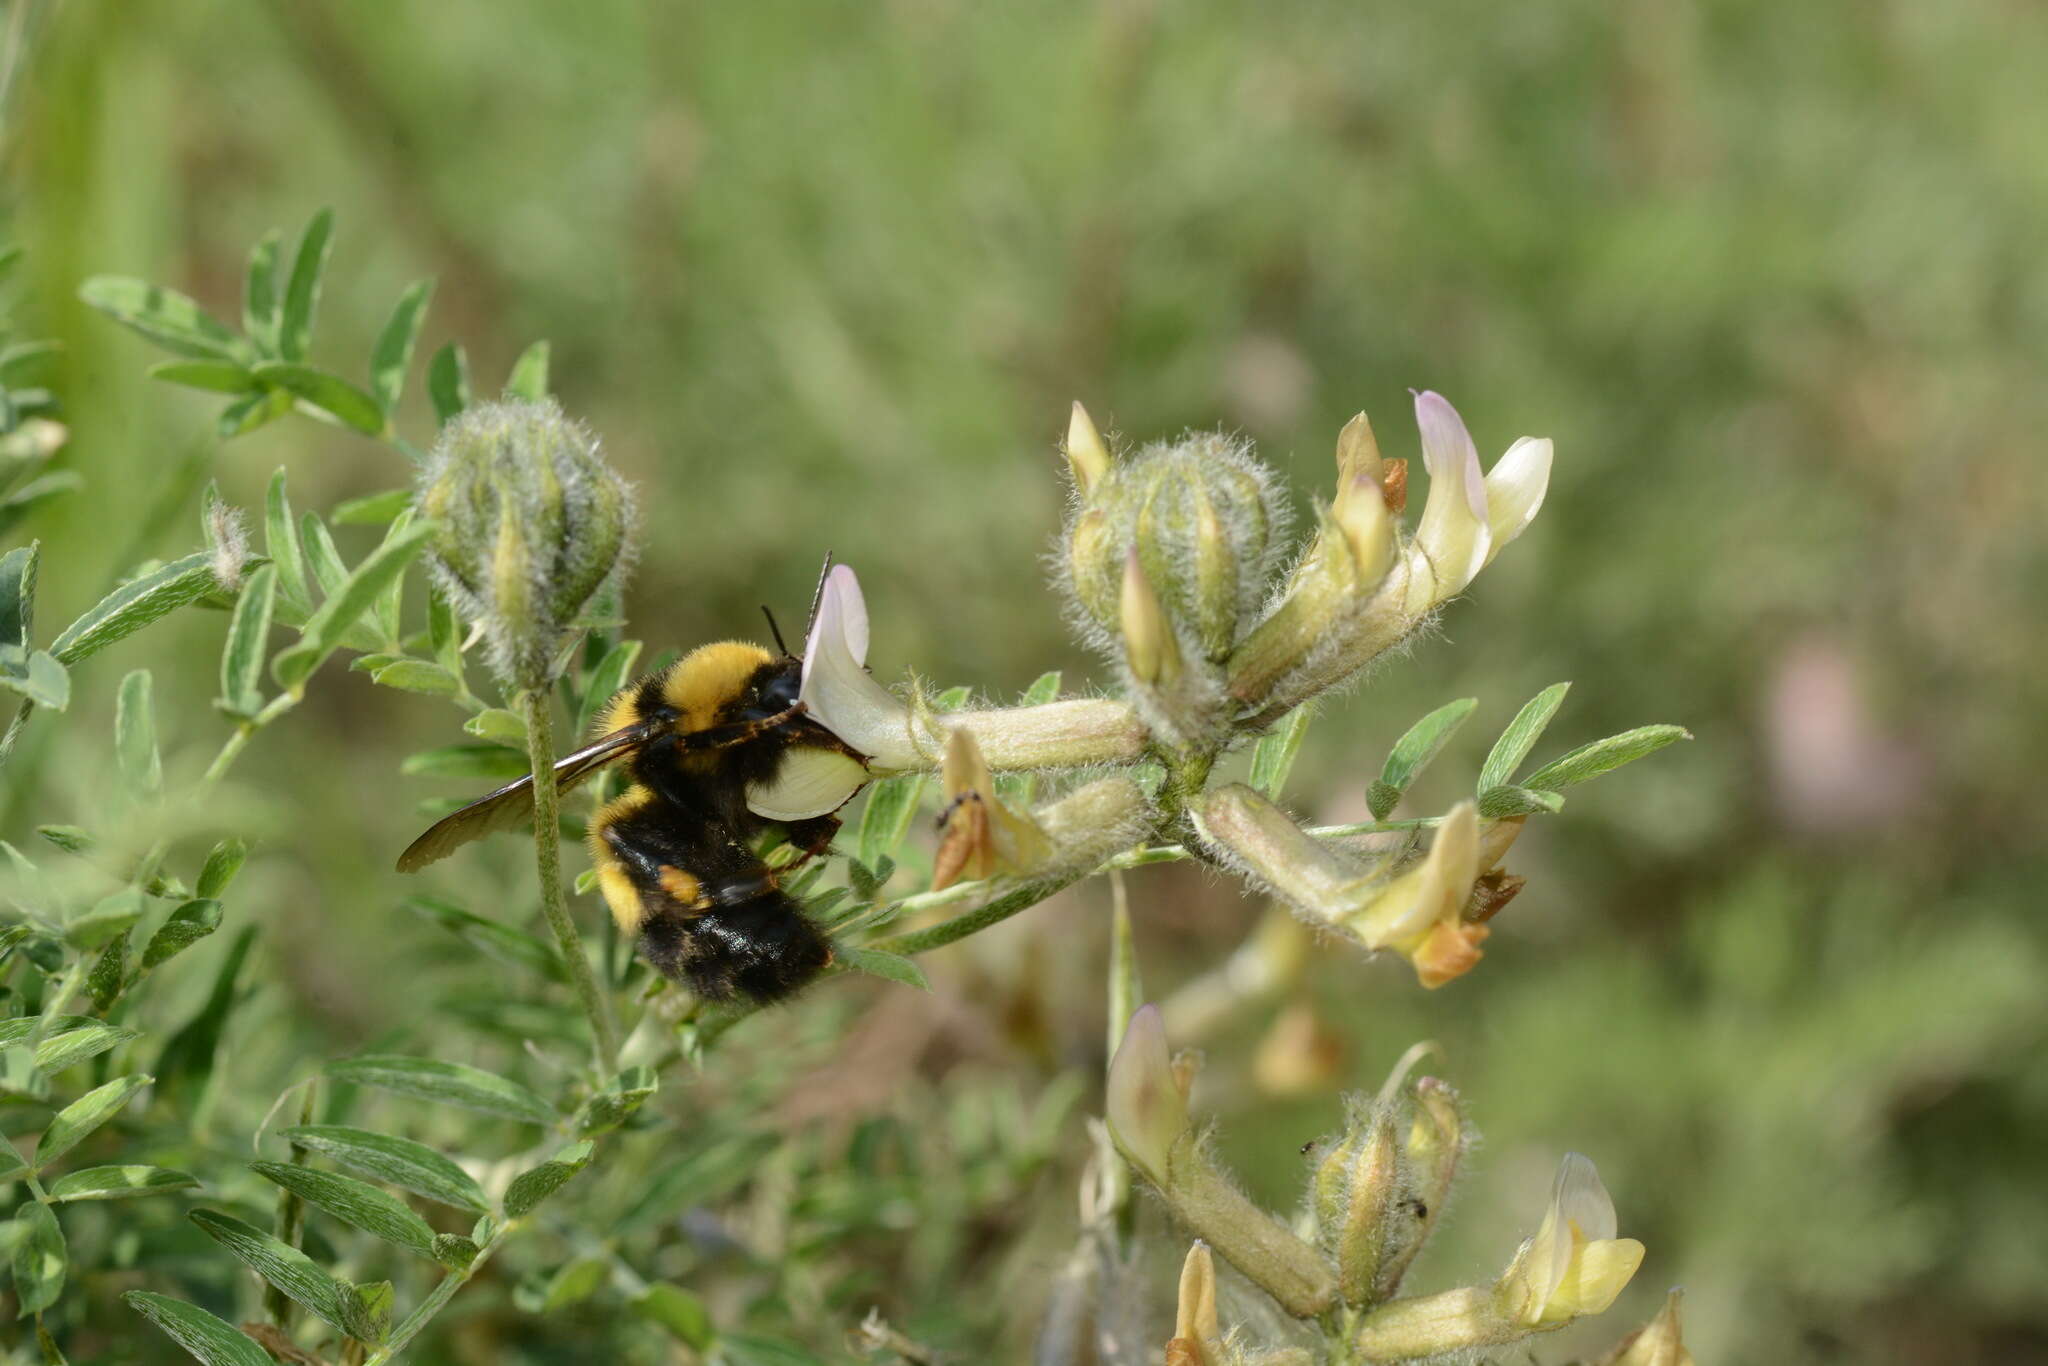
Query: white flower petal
x=1453 y=537
x=839 y=693
x=810 y=782
x=1515 y=488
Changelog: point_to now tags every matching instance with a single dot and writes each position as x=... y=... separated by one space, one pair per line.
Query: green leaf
x=880 y=963
x=443 y=632
x=1604 y=756
x=531 y=1187
x=373 y=509
x=285 y=1267
x=324 y=629
x=135 y=750
x=222 y=863
x=448 y=382
x=418 y=675
x=78 y=1119
x=118 y=1183
x=885 y=821
x=353 y=1202
x=72 y=839
x=281 y=543
x=604 y=682
x=328 y=395
x=214 y=376
x=1498 y=803
x=248 y=642
x=617 y=1103
x=574 y=1282
x=74 y=1046
x=110 y=915
x=255 y=410
x=1413 y=752
x=498 y=726
x=466 y=761
x=492 y=937
x=392 y=356
x=18 y=594
x=38 y=677
x=16 y=506
x=454 y=1251
x=397 y=1161
x=135 y=605
x=168 y=318
x=109 y=975
x=529 y=378
x=1273 y=757
x=191 y=1050
x=447 y=1083
x=11 y=1164
x=260 y=296
x=212 y=1341
x=1520 y=737
x=39 y=1258
x=24 y=358
x=302 y=293
x=677 y=1310
x=749 y=1349
x=186 y=926
x=322 y=556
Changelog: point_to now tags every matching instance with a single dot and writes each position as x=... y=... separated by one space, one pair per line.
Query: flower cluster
x=1375 y=1191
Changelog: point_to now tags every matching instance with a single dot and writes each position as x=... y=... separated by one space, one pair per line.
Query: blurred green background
x=828 y=276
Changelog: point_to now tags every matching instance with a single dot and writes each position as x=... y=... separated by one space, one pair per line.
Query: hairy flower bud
x=533 y=522
x=1659 y=1343
x=1204 y=518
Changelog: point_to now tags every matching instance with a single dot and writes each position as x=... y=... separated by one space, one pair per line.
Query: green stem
x=976 y=920
x=291 y=1222
x=436 y=1300
x=547 y=841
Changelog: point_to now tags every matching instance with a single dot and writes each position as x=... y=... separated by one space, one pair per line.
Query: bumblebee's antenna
x=818 y=597
x=776 y=631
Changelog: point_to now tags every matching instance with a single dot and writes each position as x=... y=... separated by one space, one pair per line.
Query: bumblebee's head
x=772 y=690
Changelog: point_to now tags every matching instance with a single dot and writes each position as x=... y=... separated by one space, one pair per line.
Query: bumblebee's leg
x=813 y=836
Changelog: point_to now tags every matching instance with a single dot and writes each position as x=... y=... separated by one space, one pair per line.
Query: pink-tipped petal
x=1453 y=538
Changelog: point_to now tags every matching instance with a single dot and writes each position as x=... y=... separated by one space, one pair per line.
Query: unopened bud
x=1206 y=520
x=1194 y=1319
x=1147 y=1110
x=1364 y=1202
x=1087 y=453
x=533 y=522
x=1149 y=644
x=1659 y=1343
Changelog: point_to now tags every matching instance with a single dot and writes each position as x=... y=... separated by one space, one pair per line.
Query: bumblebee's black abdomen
x=706 y=909
x=762 y=948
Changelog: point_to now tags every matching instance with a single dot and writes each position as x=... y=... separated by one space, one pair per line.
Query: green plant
x=1173 y=566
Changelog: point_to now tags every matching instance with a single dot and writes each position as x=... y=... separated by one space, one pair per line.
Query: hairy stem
x=547 y=842
x=976 y=920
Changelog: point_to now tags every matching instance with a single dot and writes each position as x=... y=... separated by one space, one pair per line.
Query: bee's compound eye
x=779 y=692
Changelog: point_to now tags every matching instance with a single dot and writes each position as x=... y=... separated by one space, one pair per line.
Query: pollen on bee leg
x=684 y=888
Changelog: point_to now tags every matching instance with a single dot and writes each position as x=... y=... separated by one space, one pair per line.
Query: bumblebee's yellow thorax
x=710 y=678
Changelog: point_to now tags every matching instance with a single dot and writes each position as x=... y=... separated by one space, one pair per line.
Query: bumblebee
x=721 y=753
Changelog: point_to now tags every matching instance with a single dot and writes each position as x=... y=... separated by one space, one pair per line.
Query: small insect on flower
x=722 y=751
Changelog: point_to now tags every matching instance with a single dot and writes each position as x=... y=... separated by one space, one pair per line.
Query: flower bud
x=1658 y=1343
x=1205 y=519
x=1197 y=1335
x=1148 y=1120
x=1087 y=453
x=1149 y=645
x=1300 y=1055
x=533 y=522
x=1147 y=1110
x=1360 y=1188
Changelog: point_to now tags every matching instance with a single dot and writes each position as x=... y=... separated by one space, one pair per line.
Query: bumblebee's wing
x=511 y=806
